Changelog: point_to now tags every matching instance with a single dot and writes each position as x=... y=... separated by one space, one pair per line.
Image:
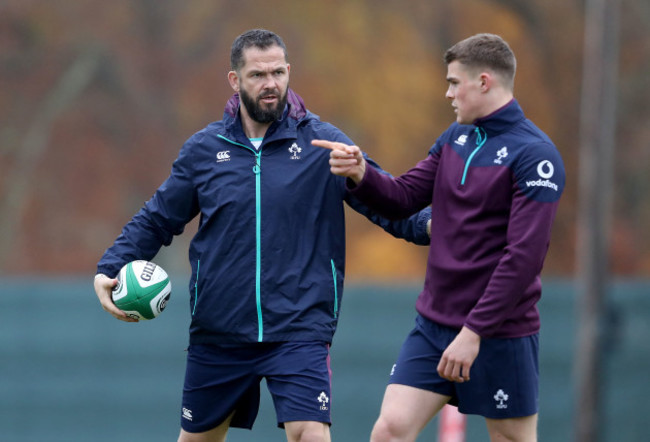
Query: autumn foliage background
x=96 y=98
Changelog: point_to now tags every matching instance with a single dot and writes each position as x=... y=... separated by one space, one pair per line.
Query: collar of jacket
x=501 y=119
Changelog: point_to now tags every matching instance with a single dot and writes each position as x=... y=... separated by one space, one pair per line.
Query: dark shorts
x=504 y=379
x=223 y=379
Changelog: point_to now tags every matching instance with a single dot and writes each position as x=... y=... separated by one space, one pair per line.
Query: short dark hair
x=260 y=38
x=485 y=51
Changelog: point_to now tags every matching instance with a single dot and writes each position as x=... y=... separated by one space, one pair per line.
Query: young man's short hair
x=485 y=51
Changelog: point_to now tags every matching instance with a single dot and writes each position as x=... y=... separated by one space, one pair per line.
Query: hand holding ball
x=143 y=290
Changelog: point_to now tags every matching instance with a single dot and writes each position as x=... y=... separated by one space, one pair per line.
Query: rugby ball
x=143 y=289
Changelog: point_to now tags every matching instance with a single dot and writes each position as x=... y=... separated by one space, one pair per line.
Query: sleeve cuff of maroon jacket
x=476 y=330
x=362 y=186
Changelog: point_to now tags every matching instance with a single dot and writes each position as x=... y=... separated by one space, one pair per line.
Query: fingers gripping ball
x=143 y=290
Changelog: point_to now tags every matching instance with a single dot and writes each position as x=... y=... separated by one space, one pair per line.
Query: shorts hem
x=207 y=427
x=321 y=419
x=420 y=387
x=495 y=417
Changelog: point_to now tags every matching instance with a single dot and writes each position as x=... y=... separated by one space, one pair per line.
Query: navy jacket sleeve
x=412 y=229
x=172 y=206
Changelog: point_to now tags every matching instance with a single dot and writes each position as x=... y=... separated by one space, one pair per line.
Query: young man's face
x=262 y=83
x=465 y=92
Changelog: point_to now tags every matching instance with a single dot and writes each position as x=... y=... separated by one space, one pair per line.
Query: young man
x=494 y=181
x=268 y=258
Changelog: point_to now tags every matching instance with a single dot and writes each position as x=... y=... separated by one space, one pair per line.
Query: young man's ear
x=486 y=81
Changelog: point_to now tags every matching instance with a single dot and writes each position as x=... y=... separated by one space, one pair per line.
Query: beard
x=257 y=112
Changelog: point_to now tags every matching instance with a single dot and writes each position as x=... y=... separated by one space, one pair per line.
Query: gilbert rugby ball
x=143 y=290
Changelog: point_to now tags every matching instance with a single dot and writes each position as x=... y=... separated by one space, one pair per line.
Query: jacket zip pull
x=256 y=167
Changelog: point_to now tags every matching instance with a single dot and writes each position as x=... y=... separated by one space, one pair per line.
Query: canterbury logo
x=224 y=155
x=461 y=140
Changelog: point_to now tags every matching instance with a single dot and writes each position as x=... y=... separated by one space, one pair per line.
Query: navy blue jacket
x=268 y=259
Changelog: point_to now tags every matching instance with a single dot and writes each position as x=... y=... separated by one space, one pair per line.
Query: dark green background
x=70 y=372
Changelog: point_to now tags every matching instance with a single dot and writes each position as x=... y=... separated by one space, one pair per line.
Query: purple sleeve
x=515 y=283
x=396 y=198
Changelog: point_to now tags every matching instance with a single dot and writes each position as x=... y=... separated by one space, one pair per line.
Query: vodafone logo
x=545 y=169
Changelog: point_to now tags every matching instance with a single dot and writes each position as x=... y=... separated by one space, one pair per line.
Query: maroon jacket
x=494 y=188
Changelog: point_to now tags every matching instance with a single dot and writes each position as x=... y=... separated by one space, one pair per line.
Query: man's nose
x=449 y=94
x=270 y=82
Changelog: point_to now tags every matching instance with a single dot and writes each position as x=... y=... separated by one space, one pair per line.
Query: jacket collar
x=502 y=119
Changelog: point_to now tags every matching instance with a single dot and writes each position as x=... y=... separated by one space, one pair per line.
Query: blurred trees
x=155 y=72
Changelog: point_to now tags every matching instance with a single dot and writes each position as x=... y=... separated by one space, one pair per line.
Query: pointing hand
x=345 y=160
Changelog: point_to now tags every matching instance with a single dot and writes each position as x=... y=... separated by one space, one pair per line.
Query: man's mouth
x=269 y=98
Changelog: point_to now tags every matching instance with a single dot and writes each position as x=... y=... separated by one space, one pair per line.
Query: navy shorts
x=504 y=378
x=226 y=378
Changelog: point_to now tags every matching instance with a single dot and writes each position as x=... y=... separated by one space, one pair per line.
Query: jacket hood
x=296 y=105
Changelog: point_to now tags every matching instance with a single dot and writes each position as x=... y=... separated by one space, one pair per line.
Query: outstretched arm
x=349 y=161
x=393 y=198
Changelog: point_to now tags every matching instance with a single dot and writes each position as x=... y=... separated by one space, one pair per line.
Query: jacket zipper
x=481 y=138
x=258 y=244
x=257 y=170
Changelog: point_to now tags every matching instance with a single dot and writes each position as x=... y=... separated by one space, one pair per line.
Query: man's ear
x=486 y=81
x=233 y=79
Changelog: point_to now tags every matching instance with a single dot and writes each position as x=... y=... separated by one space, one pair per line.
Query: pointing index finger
x=335 y=146
x=326 y=144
